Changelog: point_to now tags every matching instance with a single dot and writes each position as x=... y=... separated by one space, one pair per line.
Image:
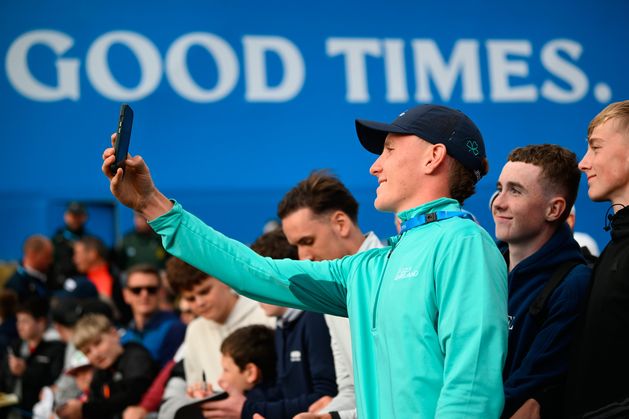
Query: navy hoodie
x=537 y=357
x=305 y=368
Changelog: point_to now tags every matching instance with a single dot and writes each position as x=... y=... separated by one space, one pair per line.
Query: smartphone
x=192 y=410
x=123 y=137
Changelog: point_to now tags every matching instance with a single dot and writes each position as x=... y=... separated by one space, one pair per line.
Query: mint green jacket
x=428 y=316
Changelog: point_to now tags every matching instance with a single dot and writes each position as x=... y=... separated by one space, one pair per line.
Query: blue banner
x=237 y=101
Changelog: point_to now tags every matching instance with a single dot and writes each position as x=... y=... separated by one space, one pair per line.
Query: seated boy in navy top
x=305 y=365
x=248 y=361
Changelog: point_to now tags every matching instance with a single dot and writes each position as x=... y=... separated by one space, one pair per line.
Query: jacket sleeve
x=312 y=286
x=321 y=367
x=471 y=296
x=546 y=361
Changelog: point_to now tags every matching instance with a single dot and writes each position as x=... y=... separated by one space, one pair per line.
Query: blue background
x=230 y=161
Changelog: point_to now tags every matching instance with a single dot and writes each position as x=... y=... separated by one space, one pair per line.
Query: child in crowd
x=305 y=365
x=30 y=362
x=122 y=373
x=248 y=360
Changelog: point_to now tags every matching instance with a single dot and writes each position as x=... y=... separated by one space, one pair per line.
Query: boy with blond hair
x=122 y=373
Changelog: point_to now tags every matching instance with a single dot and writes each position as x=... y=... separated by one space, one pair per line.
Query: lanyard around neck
x=431 y=217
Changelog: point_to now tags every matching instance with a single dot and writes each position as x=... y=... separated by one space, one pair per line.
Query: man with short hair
x=161 y=332
x=597 y=381
x=536 y=189
x=428 y=313
x=91 y=259
x=320 y=217
x=29 y=280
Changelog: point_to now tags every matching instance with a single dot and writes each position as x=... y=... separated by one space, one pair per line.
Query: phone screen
x=123 y=137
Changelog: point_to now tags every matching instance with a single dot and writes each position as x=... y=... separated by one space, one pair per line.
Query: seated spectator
x=249 y=363
x=31 y=362
x=30 y=278
x=305 y=365
x=65 y=311
x=140 y=246
x=186 y=314
x=161 y=332
x=220 y=311
x=122 y=373
x=90 y=258
x=74 y=218
x=80 y=372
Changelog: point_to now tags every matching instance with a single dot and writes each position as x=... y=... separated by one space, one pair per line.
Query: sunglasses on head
x=151 y=289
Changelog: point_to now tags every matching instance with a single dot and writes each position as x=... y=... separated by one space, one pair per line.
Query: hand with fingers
x=134 y=186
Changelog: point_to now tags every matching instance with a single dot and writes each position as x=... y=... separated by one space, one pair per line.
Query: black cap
x=435 y=124
x=75 y=207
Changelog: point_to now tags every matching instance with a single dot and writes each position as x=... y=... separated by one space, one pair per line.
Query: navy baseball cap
x=435 y=124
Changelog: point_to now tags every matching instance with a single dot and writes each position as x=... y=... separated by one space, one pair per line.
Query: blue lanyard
x=422 y=219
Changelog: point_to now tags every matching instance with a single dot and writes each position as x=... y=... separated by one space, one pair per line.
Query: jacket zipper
x=384 y=270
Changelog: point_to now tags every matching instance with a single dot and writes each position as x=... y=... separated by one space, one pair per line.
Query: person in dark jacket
x=31 y=362
x=74 y=218
x=597 y=382
x=122 y=373
x=30 y=278
x=249 y=364
x=536 y=190
x=140 y=246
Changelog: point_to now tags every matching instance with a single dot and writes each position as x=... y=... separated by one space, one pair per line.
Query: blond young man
x=597 y=382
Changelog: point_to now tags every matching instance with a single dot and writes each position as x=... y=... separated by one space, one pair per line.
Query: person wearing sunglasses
x=161 y=332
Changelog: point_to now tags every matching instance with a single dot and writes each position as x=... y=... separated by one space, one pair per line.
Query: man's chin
x=382 y=206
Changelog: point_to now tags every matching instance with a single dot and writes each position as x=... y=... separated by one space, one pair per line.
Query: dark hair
x=182 y=276
x=144 y=268
x=35 y=306
x=274 y=245
x=560 y=170
x=322 y=192
x=94 y=243
x=462 y=181
x=252 y=344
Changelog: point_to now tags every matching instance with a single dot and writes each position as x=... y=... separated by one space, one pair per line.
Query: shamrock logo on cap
x=472 y=146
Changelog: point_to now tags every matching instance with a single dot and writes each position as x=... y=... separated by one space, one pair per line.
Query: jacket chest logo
x=405 y=272
x=295 y=356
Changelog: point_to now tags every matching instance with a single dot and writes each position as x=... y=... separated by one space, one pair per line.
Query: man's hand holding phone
x=136 y=189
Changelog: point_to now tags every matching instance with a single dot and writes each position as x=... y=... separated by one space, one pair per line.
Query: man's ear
x=253 y=374
x=435 y=158
x=555 y=208
x=341 y=223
